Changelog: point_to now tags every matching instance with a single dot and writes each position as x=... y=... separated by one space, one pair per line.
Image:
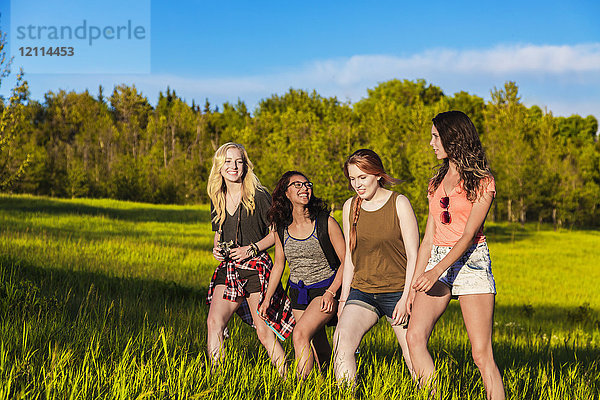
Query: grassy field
x=106 y=299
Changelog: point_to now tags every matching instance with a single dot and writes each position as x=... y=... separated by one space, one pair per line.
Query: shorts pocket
x=479 y=259
x=478 y=265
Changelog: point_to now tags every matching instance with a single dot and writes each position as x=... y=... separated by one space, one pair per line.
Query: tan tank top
x=379 y=257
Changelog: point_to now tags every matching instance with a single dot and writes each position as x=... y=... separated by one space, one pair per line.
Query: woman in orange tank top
x=382 y=240
x=453 y=259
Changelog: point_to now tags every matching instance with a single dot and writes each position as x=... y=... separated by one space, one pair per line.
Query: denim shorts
x=380 y=303
x=470 y=274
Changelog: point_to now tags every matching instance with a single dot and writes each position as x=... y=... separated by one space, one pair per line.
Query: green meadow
x=106 y=299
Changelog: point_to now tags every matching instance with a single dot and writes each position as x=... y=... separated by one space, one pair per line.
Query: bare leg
x=219 y=314
x=426 y=310
x=354 y=322
x=401 y=336
x=478 y=314
x=308 y=323
x=322 y=349
x=267 y=337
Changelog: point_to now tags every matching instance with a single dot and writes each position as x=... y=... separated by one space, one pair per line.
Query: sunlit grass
x=548 y=268
x=106 y=299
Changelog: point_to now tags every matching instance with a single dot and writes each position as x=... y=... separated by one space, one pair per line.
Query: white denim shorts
x=470 y=274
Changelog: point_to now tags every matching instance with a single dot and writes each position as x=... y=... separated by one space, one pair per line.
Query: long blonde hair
x=217 y=189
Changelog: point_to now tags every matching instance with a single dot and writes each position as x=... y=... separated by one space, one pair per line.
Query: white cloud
x=526 y=58
x=560 y=75
x=501 y=60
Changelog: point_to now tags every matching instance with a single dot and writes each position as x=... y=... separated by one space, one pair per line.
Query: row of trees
x=77 y=145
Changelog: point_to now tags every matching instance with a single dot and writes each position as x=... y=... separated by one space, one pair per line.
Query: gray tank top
x=306 y=259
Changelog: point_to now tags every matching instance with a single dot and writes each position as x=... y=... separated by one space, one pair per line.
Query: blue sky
x=249 y=50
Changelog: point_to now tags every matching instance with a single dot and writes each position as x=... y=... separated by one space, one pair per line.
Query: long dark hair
x=461 y=142
x=280 y=213
x=367 y=161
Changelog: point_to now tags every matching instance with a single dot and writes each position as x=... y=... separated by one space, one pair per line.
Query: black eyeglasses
x=298 y=184
x=445 y=217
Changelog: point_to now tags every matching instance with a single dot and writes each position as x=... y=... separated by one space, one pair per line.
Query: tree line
x=120 y=146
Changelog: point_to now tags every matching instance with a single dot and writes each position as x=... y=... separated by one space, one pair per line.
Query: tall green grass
x=106 y=299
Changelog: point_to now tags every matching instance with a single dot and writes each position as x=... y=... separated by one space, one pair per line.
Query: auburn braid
x=357 y=201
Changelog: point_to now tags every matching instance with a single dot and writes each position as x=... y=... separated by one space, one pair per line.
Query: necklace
x=235 y=201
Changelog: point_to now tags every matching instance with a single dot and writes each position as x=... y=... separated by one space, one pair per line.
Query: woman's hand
x=327 y=302
x=217 y=254
x=409 y=301
x=262 y=309
x=400 y=316
x=239 y=253
x=426 y=280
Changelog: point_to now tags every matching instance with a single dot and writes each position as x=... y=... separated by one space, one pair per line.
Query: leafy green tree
x=304 y=132
x=131 y=111
x=405 y=93
x=546 y=168
x=472 y=105
x=419 y=157
x=399 y=131
x=576 y=127
x=172 y=130
x=11 y=122
x=508 y=138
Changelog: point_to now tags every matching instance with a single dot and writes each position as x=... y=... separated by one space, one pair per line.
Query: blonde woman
x=239 y=206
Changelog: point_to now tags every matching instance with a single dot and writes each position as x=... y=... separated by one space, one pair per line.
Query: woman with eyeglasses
x=454 y=260
x=312 y=243
x=382 y=240
x=239 y=206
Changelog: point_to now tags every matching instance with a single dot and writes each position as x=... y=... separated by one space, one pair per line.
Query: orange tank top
x=460 y=208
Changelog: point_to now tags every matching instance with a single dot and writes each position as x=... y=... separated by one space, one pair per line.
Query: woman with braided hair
x=382 y=241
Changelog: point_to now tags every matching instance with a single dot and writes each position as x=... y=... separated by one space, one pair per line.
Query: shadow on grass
x=507 y=233
x=137 y=214
x=79 y=304
x=524 y=338
x=71 y=305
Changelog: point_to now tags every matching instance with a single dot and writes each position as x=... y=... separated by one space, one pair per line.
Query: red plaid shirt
x=279 y=315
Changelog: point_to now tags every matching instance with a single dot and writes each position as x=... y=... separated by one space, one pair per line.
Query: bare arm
x=410 y=236
x=266 y=242
x=241 y=253
x=275 y=277
x=347 y=266
x=339 y=245
x=425 y=249
x=337 y=240
x=476 y=219
x=422 y=259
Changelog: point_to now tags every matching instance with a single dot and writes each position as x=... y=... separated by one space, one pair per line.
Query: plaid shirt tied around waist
x=279 y=313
